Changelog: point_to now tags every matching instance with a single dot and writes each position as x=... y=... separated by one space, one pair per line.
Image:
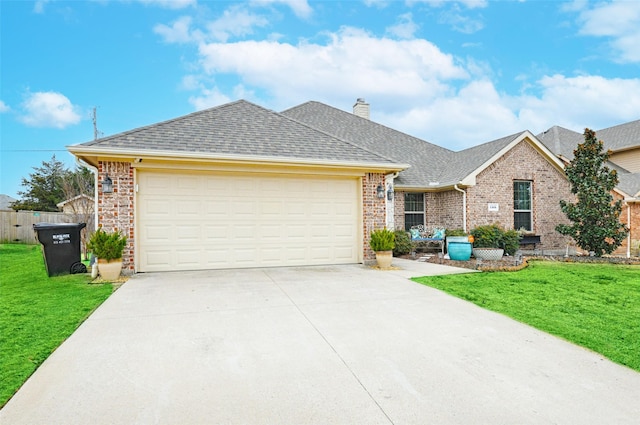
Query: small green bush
x=402 y=242
x=455 y=232
x=511 y=241
x=107 y=246
x=494 y=236
x=382 y=240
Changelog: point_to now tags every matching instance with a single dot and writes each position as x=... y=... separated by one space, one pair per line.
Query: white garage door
x=211 y=221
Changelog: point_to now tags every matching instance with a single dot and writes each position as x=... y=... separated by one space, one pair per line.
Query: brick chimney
x=361 y=108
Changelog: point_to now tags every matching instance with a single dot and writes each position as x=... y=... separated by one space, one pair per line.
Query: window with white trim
x=413 y=209
x=522 y=205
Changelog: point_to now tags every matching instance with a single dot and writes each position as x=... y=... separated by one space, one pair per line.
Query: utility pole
x=94 y=118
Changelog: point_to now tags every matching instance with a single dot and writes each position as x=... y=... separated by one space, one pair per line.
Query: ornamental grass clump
x=382 y=240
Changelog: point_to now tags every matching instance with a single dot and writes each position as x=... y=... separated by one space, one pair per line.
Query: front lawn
x=593 y=305
x=37 y=313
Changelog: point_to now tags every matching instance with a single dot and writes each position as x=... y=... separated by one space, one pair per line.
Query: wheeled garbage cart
x=61 y=247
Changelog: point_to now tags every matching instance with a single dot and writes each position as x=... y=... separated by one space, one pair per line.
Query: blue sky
x=455 y=73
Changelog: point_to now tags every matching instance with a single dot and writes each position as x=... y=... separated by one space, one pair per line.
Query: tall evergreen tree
x=594 y=216
x=44 y=187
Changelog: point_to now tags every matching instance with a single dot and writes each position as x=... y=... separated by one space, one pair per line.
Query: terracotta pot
x=384 y=259
x=110 y=270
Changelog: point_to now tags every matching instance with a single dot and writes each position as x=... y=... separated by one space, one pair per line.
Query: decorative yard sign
x=493 y=207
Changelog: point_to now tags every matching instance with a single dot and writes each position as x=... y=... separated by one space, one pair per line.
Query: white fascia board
x=230 y=158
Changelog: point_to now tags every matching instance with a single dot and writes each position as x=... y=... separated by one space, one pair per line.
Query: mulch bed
x=508 y=263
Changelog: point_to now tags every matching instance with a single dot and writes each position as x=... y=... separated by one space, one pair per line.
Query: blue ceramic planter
x=460 y=251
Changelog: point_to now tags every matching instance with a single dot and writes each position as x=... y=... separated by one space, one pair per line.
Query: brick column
x=373 y=210
x=116 y=210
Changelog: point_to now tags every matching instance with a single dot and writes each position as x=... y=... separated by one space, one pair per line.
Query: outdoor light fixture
x=107 y=185
x=390 y=193
x=380 y=191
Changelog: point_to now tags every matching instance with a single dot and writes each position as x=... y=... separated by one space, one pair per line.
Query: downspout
x=94 y=170
x=464 y=206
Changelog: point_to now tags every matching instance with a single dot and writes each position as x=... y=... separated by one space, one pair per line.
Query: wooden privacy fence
x=17 y=226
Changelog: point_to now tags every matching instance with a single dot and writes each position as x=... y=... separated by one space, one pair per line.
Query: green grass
x=37 y=313
x=593 y=305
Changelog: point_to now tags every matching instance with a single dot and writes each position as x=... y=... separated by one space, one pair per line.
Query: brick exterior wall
x=398 y=210
x=635 y=227
x=495 y=185
x=444 y=209
x=373 y=211
x=116 y=210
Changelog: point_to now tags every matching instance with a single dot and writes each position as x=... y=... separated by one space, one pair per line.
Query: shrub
x=494 y=236
x=511 y=241
x=382 y=240
x=107 y=246
x=455 y=232
x=402 y=243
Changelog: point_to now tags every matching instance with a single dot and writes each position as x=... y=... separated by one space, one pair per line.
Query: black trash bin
x=61 y=247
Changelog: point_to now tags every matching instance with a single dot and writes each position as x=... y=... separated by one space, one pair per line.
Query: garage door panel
x=210 y=221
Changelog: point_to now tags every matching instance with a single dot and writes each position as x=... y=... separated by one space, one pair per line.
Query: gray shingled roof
x=630 y=183
x=563 y=142
x=621 y=136
x=427 y=159
x=432 y=166
x=6 y=201
x=465 y=162
x=239 y=128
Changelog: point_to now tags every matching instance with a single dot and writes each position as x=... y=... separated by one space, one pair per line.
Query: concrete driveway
x=315 y=345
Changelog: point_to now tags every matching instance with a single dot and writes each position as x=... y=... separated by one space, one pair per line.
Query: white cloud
x=178 y=32
x=583 y=101
x=235 y=21
x=170 y=4
x=351 y=62
x=38 y=6
x=405 y=28
x=411 y=85
x=4 y=107
x=209 y=98
x=49 y=109
x=299 y=7
x=461 y=22
x=470 y=4
x=618 y=21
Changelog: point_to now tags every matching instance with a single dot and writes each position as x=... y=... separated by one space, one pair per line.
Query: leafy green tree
x=594 y=216
x=43 y=188
x=51 y=184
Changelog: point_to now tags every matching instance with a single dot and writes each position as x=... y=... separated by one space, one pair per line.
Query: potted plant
x=108 y=248
x=382 y=242
x=456 y=235
x=491 y=242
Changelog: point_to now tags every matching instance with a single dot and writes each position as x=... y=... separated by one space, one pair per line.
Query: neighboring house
x=81 y=204
x=5 y=202
x=242 y=186
x=623 y=143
